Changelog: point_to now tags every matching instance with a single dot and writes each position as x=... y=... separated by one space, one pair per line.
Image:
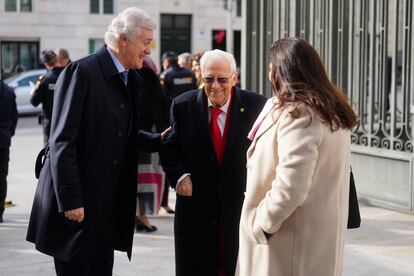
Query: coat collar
x=238 y=112
x=201 y=111
x=107 y=64
x=269 y=118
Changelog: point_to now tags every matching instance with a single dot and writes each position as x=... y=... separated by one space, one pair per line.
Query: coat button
x=114 y=161
x=119 y=134
x=122 y=105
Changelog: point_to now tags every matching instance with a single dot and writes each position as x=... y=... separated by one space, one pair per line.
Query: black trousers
x=4 y=168
x=102 y=265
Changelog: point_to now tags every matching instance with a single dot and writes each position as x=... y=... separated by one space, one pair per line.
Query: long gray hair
x=127 y=22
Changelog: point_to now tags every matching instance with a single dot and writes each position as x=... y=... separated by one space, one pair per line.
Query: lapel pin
x=242 y=109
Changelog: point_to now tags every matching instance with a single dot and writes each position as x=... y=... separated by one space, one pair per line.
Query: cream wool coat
x=295 y=211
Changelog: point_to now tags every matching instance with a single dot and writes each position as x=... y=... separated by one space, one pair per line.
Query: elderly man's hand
x=164 y=133
x=75 y=214
x=185 y=187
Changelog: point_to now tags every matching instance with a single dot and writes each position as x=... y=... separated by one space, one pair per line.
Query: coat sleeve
x=149 y=142
x=172 y=155
x=14 y=118
x=39 y=92
x=69 y=102
x=298 y=141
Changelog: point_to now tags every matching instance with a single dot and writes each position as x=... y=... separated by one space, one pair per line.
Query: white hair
x=218 y=54
x=185 y=56
x=127 y=22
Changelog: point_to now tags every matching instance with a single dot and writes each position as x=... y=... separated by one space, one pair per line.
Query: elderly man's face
x=135 y=49
x=218 y=80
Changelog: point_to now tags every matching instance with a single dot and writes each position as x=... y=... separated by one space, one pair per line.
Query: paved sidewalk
x=383 y=246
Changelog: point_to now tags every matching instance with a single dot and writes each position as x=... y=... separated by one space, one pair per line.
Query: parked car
x=22 y=87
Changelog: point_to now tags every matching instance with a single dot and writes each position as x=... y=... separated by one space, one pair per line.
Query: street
x=383 y=246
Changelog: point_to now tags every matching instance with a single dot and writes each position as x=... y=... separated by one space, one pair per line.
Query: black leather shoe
x=168 y=209
x=141 y=227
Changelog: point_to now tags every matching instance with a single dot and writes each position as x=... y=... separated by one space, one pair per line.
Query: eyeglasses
x=220 y=80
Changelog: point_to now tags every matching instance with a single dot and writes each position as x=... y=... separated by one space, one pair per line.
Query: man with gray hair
x=184 y=60
x=85 y=202
x=63 y=57
x=204 y=157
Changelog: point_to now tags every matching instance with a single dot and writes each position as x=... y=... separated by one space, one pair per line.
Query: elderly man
x=205 y=160
x=85 y=202
x=184 y=61
x=63 y=57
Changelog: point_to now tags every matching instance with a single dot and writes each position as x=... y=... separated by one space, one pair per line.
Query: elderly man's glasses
x=220 y=80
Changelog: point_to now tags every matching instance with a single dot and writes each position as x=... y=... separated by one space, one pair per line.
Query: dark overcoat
x=218 y=189
x=8 y=114
x=92 y=163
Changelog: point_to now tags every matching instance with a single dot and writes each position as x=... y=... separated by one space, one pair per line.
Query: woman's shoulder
x=299 y=110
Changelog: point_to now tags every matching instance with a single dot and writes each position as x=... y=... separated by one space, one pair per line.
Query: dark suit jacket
x=8 y=114
x=92 y=163
x=218 y=190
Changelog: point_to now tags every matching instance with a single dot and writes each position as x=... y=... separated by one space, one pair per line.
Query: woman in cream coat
x=294 y=216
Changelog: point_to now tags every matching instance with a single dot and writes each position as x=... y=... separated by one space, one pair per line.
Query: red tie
x=215 y=132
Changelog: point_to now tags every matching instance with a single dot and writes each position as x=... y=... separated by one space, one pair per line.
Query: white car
x=21 y=83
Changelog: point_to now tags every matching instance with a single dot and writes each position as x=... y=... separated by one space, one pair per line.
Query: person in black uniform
x=175 y=79
x=44 y=90
x=8 y=122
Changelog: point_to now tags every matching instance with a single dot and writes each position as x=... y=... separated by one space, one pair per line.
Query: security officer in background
x=175 y=79
x=44 y=90
x=8 y=122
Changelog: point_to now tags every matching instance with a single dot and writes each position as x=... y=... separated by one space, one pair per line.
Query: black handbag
x=40 y=161
x=354 y=217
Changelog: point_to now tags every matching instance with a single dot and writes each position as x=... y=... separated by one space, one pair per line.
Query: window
x=18 y=56
x=219 y=42
x=18 y=5
x=95 y=44
x=26 y=81
x=175 y=33
x=238 y=8
x=102 y=6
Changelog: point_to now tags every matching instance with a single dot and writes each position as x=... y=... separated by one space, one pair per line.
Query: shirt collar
x=224 y=107
x=116 y=61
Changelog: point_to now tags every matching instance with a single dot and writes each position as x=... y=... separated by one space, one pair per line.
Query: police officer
x=175 y=79
x=44 y=90
x=8 y=122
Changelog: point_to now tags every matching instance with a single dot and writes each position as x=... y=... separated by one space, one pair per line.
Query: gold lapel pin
x=242 y=109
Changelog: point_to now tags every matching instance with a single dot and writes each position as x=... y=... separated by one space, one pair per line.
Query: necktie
x=124 y=77
x=216 y=133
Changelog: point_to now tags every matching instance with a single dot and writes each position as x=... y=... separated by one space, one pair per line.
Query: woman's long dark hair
x=298 y=76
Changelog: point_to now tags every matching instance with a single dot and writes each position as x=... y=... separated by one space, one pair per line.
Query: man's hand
x=75 y=214
x=185 y=187
x=164 y=133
